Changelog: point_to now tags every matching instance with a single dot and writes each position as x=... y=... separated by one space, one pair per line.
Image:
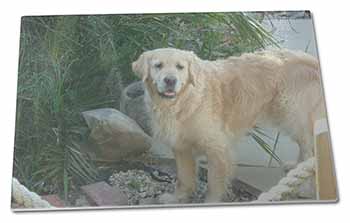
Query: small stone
x=81 y=201
x=143 y=194
x=142 y=189
x=148 y=201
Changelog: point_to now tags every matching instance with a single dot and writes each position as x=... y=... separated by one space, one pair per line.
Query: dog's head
x=168 y=70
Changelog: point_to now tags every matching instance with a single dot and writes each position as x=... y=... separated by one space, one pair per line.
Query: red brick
x=101 y=194
x=54 y=200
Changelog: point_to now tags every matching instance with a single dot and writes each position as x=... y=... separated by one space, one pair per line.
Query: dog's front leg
x=220 y=172
x=186 y=174
x=186 y=177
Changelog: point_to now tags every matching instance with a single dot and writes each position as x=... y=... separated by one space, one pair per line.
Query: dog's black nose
x=170 y=81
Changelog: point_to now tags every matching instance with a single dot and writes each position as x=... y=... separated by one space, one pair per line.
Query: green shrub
x=69 y=64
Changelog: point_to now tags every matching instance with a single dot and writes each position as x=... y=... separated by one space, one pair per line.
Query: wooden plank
x=326 y=180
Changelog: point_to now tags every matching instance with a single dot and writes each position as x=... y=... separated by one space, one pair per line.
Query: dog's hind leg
x=305 y=143
x=301 y=131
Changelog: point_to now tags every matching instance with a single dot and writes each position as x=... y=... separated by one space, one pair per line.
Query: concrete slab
x=259 y=177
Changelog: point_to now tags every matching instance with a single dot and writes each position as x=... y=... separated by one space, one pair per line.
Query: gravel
x=140 y=186
x=144 y=188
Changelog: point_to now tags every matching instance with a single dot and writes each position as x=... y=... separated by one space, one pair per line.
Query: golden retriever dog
x=201 y=107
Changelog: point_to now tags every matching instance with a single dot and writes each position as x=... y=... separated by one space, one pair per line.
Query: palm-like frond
x=69 y=64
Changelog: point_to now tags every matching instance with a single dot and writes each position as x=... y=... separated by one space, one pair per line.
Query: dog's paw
x=168 y=199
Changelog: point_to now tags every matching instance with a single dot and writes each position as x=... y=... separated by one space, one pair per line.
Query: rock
x=161 y=150
x=101 y=194
x=82 y=201
x=143 y=194
x=116 y=135
x=164 y=165
x=132 y=104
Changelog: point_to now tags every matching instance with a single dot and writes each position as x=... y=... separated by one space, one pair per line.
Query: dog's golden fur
x=218 y=101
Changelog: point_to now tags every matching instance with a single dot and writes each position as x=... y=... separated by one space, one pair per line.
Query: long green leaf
x=265 y=146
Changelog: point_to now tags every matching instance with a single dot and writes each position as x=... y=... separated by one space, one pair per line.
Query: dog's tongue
x=169 y=93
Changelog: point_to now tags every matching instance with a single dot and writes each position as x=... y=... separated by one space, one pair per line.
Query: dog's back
x=281 y=88
x=299 y=101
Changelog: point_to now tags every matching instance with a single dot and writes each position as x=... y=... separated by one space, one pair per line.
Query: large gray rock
x=116 y=135
x=132 y=104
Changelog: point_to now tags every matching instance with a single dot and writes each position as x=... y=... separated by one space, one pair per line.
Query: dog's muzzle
x=170 y=84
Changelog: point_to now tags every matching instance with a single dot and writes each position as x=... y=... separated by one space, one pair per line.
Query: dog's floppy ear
x=140 y=67
x=193 y=68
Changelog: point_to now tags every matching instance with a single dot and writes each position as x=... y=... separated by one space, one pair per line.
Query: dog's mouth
x=168 y=94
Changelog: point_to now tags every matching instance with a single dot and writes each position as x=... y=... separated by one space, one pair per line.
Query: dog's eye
x=179 y=66
x=158 y=65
